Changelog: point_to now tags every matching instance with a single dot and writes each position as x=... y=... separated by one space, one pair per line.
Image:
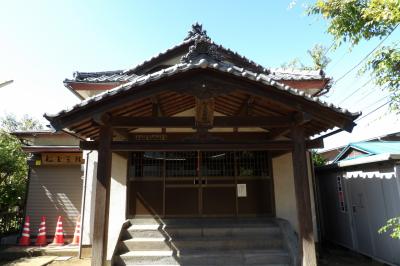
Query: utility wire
x=365 y=57
x=355 y=91
x=376 y=109
x=370 y=105
x=367 y=93
x=329 y=48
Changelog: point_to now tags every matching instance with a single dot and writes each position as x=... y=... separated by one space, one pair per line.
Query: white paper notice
x=241 y=190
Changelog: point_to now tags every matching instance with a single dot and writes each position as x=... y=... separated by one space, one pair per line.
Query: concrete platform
x=11 y=253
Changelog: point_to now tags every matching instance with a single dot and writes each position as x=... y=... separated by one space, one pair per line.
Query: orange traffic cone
x=25 y=237
x=59 y=234
x=77 y=233
x=41 y=239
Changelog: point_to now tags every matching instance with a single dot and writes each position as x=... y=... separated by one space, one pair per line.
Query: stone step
x=131 y=245
x=256 y=257
x=205 y=243
x=177 y=232
x=129 y=259
x=201 y=223
x=146 y=235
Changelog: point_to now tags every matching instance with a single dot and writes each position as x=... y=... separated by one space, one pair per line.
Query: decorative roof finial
x=197 y=30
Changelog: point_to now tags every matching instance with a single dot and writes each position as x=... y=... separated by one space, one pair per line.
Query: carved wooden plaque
x=61 y=158
x=204 y=112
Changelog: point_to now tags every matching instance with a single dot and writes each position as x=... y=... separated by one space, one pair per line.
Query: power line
x=329 y=48
x=365 y=57
x=376 y=109
x=368 y=94
x=369 y=105
x=355 y=91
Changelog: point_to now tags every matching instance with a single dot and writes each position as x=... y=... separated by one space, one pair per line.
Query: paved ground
x=335 y=256
x=328 y=256
x=73 y=261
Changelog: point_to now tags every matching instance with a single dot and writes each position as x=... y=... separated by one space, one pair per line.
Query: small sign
x=61 y=158
x=241 y=190
x=151 y=137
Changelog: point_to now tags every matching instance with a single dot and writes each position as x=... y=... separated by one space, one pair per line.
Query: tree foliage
x=350 y=21
x=355 y=20
x=13 y=171
x=392 y=226
x=317 y=159
x=318 y=57
x=13 y=166
x=10 y=123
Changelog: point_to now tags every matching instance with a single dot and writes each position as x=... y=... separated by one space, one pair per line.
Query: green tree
x=318 y=57
x=13 y=166
x=13 y=171
x=350 y=21
x=10 y=123
x=317 y=159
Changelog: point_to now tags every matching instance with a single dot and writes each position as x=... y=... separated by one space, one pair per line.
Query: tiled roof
x=105 y=76
x=122 y=76
x=262 y=78
x=196 y=34
x=295 y=74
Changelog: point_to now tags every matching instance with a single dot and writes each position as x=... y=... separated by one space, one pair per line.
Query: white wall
x=117 y=212
x=90 y=170
x=285 y=198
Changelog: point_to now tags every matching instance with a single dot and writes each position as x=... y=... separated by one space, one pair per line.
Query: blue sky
x=44 y=42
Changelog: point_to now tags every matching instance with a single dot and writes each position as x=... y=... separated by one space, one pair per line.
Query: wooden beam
x=188 y=146
x=216 y=83
x=102 y=198
x=189 y=122
x=155 y=106
x=302 y=191
x=246 y=107
x=300 y=118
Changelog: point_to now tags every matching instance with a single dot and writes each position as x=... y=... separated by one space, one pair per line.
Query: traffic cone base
x=25 y=236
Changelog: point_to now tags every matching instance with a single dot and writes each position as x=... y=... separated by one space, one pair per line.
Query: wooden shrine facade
x=203 y=107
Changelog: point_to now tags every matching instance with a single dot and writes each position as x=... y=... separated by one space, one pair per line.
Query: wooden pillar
x=102 y=200
x=307 y=256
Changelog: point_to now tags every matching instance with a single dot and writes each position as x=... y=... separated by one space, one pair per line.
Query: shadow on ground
x=333 y=255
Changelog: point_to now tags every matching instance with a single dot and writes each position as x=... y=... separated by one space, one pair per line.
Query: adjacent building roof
x=369 y=148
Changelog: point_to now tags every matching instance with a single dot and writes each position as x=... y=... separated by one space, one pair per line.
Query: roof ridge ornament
x=203 y=48
x=197 y=31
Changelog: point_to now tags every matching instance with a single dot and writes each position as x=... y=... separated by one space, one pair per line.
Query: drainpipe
x=83 y=204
